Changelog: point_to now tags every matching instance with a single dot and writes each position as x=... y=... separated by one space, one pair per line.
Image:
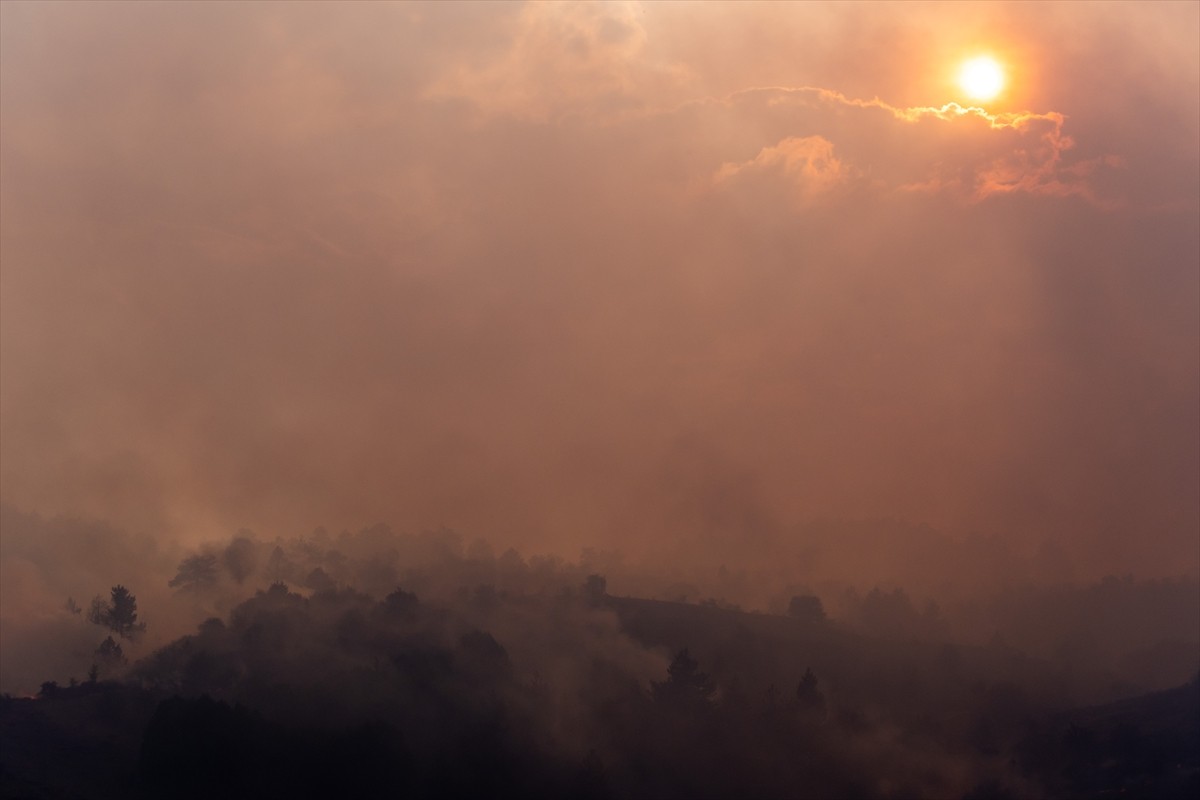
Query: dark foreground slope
x=577 y=695
x=1140 y=747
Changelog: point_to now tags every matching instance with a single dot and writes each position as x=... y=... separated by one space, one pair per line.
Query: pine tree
x=122 y=615
x=109 y=657
x=195 y=573
x=686 y=686
x=119 y=614
x=808 y=696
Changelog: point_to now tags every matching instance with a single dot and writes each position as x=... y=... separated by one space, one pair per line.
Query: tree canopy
x=119 y=614
x=686 y=686
x=195 y=573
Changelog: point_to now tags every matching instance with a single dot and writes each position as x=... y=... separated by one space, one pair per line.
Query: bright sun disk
x=981 y=78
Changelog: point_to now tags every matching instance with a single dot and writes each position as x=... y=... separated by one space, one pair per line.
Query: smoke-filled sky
x=609 y=274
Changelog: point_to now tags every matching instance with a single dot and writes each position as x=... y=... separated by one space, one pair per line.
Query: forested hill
x=584 y=695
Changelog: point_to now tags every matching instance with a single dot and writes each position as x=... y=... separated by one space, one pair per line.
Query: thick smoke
x=684 y=391
x=387 y=263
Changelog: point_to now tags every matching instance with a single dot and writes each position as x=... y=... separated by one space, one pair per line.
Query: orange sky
x=606 y=274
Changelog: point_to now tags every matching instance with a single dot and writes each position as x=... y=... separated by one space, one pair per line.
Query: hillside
x=541 y=696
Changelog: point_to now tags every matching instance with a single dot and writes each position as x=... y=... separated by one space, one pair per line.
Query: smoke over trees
x=701 y=400
x=119 y=614
x=195 y=573
x=424 y=665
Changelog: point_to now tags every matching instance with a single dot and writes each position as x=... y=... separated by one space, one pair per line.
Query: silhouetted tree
x=73 y=607
x=195 y=573
x=809 y=697
x=109 y=657
x=240 y=557
x=123 y=615
x=110 y=651
x=119 y=614
x=686 y=686
x=98 y=611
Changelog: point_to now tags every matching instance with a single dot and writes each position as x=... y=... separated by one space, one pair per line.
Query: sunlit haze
x=728 y=302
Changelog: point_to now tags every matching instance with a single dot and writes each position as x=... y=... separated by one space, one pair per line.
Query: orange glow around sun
x=982 y=78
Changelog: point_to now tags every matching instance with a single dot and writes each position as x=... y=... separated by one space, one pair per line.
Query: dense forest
x=376 y=664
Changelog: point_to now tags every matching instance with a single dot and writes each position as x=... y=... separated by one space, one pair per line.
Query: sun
x=981 y=78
